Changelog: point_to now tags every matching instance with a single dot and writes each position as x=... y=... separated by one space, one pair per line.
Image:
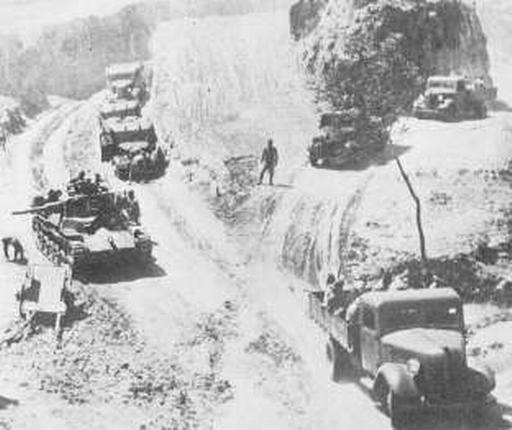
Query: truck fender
x=397 y=378
x=481 y=377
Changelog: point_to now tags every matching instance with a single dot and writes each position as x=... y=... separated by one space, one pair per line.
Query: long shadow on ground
x=120 y=271
x=5 y=402
x=378 y=159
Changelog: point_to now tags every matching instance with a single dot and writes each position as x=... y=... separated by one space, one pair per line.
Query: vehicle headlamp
x=413 y=366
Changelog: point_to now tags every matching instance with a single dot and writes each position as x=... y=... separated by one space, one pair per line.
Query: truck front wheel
x=396 y=414
x=391 y=404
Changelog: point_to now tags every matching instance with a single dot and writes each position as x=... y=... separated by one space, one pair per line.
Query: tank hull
x=129 y=246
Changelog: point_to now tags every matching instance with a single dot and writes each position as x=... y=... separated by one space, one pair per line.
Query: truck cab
x=126 y=80
x=410 y=324
x=410 y=345
x=451 y=98
x=343 y=136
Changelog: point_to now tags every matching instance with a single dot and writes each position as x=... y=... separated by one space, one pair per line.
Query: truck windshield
x=402 y=317
x=443 y=315
x=336 y=121
x=442 y=84
x=121 y=76
x=439 y=315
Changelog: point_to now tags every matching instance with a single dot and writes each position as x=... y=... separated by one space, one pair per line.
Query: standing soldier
x=17 y=247
x=132 y=211
x=3 y=138
x=269 y=158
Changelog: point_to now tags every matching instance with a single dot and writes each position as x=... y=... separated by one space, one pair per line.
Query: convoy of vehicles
x=408 y=347
x=346 y=137
x=452 y=98
x=128 y=140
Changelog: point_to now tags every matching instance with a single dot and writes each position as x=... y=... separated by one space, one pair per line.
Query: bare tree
x=405 y=176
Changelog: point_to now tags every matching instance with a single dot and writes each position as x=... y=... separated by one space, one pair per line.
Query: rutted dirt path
x=214 y=334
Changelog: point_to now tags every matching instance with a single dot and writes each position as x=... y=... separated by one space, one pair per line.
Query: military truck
x=119 y=109
x=453 y=98
x=346 y=137
x=407 y=347
x=135 y=163
x=114 y=131
x=87 y=229
x=127 y=81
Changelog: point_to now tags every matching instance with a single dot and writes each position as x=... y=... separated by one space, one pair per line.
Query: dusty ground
x=213 y=335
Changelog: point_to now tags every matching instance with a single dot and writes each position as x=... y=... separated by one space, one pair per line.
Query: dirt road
x=220 y=306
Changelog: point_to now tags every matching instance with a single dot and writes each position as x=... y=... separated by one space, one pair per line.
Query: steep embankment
x=496 y=19
x=219 y=98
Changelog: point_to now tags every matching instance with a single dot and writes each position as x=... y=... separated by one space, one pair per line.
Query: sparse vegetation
x=69 y=59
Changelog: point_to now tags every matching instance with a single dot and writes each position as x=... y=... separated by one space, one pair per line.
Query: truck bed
x=335 y=326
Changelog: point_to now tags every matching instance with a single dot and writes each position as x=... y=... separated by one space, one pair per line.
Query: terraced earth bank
x=213 y=335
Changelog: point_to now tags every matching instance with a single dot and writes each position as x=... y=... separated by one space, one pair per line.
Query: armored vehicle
x=407 y=347
x=345 y=137
x=90 y=228
x=452 y=98
x=127 y=81
x=115 y=131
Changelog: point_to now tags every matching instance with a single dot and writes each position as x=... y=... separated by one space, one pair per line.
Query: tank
x=84 y=230
x=345 y=137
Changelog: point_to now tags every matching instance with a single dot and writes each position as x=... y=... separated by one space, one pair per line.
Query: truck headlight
x=413 y=366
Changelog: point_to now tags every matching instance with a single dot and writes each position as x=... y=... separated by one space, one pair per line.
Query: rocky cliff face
x=387 y=46
x=305 y=16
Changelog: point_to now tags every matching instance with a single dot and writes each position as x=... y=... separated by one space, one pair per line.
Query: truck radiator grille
x=445 y=380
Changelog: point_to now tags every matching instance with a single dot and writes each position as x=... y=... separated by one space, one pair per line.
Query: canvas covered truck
x=119 y=109
x=115 y=131
x=127 y=81
x=135 y=163
x=453 y=98
x=130 y=144
x=345 y=137
x=408 y=348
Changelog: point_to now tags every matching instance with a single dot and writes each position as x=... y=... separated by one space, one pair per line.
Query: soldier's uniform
x=269 y=158
x=16 y=245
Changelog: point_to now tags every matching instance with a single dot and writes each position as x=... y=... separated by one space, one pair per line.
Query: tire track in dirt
x=37 y=159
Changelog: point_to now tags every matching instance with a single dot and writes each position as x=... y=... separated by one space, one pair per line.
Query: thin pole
x=417 y=202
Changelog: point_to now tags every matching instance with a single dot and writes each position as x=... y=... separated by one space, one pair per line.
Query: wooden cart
x=43 y=291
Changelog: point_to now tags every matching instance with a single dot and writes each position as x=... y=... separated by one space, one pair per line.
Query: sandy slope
x=318 y=218
x=221 y=96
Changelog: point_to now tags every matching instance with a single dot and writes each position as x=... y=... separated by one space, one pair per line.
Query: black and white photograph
x=256 y=214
